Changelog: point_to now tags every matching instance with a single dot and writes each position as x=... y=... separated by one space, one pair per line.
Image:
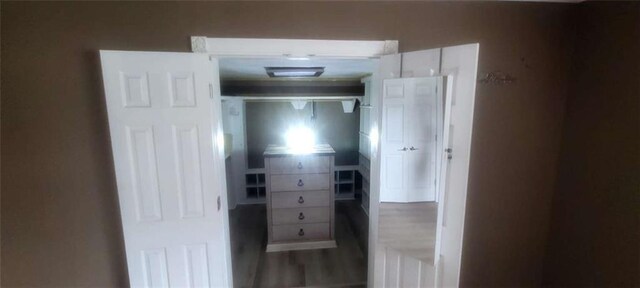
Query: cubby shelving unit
x=344 y=181
x=255 y=186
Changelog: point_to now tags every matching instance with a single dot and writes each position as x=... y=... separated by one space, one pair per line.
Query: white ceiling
x=253 y=68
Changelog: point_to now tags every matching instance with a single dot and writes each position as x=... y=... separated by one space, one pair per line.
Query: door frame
x=293 y=48
x=305 y=48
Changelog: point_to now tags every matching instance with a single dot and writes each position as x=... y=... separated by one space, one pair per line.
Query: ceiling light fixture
x=275 y=72
x=298 y=58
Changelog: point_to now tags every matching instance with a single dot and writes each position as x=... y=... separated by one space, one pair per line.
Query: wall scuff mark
x=497 y=78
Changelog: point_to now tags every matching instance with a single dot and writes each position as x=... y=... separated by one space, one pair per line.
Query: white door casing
x=167 y=150
x=409 y=122
x=388 y=68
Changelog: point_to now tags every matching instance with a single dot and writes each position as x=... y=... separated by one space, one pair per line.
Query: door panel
x=395 y=120
x=197 y=262
x=422 y=138
x=154 y=263
x=459 y=64
x=395 y=172
x=143 y=173
x=169 y=170
x=187 y=157
x=394 y=141
x=403 y=270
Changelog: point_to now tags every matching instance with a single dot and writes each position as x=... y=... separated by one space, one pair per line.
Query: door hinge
x=219 y=203
x=449 y=151
x=210 y=90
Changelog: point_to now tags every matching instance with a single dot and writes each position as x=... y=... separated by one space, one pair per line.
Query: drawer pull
x=299 y=165
x=300 y=200
x=301 y=232
x=301 y=216
x=300 y=184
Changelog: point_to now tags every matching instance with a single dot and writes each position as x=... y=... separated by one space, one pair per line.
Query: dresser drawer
x=300 y=215
x=300 y=164
x=300 y=199
x=300 y=182
x=296 y=232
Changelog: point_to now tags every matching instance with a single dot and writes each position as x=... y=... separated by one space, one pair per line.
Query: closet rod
x=293 y=98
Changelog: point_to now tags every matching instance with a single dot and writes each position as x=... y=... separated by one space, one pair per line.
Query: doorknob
x=413 y=148
x=403 y=149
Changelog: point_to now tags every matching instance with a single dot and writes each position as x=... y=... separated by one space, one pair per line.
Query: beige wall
x=60 y=219
x=595 y=232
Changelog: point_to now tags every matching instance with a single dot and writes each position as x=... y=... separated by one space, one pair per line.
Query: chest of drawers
x=300 y=198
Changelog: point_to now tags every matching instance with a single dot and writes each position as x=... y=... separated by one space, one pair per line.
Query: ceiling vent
x=294 y=72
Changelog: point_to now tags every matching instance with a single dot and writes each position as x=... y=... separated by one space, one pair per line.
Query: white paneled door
x=409 y=125
x=169 y=167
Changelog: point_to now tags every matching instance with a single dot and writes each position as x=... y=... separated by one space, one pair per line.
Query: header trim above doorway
x=292 y=48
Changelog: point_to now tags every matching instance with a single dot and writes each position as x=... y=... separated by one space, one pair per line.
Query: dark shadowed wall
x=595 y=232
x=60 y=217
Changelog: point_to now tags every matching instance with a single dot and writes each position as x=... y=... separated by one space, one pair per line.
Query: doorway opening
x=174 y=208
x=260 y=110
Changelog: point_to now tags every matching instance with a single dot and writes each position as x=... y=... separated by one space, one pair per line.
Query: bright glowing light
x=220 y=140
x=299 y=58
x=373 y=136
x=300 y=139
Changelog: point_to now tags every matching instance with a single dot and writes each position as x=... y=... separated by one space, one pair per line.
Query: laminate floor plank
x=409 y=228
x=344 y=266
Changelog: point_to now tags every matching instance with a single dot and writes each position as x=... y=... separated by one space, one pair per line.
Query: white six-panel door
x=169 y=170
x=409 y=122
